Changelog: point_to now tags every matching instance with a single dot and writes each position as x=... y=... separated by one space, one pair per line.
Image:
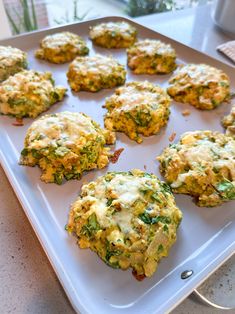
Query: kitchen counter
x=28 y=282
x=192 y=27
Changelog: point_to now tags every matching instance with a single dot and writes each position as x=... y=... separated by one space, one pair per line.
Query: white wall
x=4 y=26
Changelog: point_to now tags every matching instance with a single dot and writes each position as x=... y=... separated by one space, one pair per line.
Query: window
x=29 y=15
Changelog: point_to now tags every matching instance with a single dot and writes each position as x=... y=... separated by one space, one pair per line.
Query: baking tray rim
x=48 y=249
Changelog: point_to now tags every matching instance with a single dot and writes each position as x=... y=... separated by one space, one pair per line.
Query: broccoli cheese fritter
x=199 y=85
x=129 y=219
x=151 y=57
x=12 y=60
x=61 y=47
x=229 y=123
x=202 y=164
x=137 y=108
x=29 y=93
x=64 y=145
x=95 y=73
x=113 y=35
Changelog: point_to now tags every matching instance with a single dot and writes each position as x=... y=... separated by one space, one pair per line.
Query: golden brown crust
x=61 y=47
x=137 y=108
x=66 y=144
x=95 y=73
x=113 y=35
x=151 y=57
x=199 y=85
x=202 y=164
x=129 y=219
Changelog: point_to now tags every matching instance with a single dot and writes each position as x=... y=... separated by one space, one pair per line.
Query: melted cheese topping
x=126 y=189
x=137 y=108
x=61 y=47
x=120 y=28
x=200 y=85
x=199 y=164
x=151 y=57
x=152 y=47
x=94 y=65
x=10 y=56
x=28 y=93
x=66 y=144
x=60 y=40
x=198 y=74
x=24 y=82
x=204 y=149
x=114 y=216
x=67 y=127
x=136 y=94
x=94 y=73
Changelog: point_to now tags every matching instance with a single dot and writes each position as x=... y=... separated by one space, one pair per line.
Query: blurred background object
x=29 y=15
x=224 y=15
x=26 y=15
x=5 y=28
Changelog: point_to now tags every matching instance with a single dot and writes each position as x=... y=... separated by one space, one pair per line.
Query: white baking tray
x=206 y=236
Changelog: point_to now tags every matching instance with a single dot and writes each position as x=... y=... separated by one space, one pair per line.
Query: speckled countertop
x=28 y=282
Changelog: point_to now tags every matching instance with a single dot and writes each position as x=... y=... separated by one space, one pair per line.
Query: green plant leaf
x=15 y=28
x=35 y=23
x=75 y=14
x=26 y=16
